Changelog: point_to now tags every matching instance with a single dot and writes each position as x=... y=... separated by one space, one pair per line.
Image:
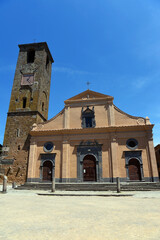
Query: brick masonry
x=20 y=119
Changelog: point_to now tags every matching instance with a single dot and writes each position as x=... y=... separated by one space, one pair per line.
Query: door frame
x=136 y=155
x=92 y=148
x=47 y=157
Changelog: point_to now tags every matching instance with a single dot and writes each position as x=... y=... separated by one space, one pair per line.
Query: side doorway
x=134 y=170
x=47 y=171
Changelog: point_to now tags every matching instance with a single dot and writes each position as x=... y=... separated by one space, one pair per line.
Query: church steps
x=145 y=186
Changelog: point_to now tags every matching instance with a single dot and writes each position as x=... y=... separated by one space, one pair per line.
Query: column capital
x=33 y=141
x=149 y=135
x=65 y=141
x=113 y=137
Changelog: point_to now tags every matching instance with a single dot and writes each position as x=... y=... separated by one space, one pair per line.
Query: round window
x=132 y=143
x=48 y=147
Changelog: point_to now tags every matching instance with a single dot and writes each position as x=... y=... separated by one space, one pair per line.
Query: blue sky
x=114 y=44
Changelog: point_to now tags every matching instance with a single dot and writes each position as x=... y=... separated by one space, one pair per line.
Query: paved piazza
x=28 y=216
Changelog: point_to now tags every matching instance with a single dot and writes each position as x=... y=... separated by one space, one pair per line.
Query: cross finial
x=88 y=83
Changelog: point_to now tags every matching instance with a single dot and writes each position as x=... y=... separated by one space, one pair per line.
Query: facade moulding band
x=26 y=113
x=92 y=130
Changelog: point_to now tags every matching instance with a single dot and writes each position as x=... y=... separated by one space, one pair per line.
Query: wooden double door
x=89 y=168
x=134 y=170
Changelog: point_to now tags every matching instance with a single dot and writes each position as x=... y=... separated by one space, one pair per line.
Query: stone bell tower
x=28 y=105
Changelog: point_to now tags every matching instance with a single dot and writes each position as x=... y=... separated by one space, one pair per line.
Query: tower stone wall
x=28 y=105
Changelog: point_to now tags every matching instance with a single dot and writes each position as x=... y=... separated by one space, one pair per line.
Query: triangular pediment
x=89 y=95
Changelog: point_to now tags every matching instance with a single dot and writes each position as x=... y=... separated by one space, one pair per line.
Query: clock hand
x=28 y=80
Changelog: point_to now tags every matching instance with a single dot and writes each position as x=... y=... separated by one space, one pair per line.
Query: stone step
x=141 y=186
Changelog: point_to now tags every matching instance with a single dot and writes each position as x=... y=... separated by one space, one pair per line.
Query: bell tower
x=28 y=105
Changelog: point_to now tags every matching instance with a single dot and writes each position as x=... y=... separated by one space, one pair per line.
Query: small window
x=42 y=106
x=18 y=132
x=30 y=56
x=88 y=122
x=132 y=143
x=88 y=118
x=47 y=62
x=48 y=147
x=19 y=147
x=24 y=102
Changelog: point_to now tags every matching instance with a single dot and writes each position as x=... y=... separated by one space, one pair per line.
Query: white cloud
x=71 y=71
x=140 y=82
x=143 y=81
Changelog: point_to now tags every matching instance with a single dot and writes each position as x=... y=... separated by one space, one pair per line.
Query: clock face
x=27 y=79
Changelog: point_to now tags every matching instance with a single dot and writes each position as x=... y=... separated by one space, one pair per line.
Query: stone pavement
x=28 y=216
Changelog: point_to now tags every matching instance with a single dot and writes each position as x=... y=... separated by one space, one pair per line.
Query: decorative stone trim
x=88 y=113
x=47 y=157
x=141 y=121
x=71 y=131
x=91 y=148
x=137 y=155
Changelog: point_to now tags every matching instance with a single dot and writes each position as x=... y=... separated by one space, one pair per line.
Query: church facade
x=90 y=140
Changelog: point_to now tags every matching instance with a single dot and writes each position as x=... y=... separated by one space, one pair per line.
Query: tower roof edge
x=38 y=44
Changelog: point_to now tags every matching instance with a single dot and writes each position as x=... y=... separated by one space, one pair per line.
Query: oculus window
x=132 y=143
x=48 y=147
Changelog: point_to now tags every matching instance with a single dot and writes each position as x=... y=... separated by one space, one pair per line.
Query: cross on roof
x=88 y=83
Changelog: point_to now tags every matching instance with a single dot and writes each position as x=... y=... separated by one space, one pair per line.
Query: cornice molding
x=26 y=113
x=109 y=129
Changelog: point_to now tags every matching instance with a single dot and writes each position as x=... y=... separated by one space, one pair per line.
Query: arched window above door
x=88 y=118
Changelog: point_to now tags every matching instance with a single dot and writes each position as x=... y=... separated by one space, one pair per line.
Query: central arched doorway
x=134 y=170
x=47 y=171
x=89 y=168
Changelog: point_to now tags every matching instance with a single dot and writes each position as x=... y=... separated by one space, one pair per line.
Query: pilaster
x=111 y=117
x=152 y=157
x=32 y=160
x=114 y=156
x=65 y=160
x=66 y=117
